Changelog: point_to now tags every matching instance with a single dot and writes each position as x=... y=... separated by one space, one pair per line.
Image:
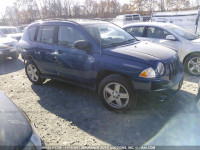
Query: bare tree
x=25 y=11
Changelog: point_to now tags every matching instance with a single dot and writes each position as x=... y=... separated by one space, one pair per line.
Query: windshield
x=109 y=35
x=182 y=32
x=10 y=30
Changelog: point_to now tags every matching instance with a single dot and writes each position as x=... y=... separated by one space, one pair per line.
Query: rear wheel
x=33 y=72
x=117 y=93
x=192 y=64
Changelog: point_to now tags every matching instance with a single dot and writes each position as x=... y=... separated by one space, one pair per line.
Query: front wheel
x=33 y=72
x=192 y=64
x=117 y=93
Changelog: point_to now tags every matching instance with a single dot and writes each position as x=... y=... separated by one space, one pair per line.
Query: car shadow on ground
x=8 y=65
x=84 y=109
x=191 y=78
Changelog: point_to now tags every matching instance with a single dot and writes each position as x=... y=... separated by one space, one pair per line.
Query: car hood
x=15 y=129
x=144 y=52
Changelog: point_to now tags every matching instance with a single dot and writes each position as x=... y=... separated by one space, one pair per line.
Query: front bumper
x=160 y=87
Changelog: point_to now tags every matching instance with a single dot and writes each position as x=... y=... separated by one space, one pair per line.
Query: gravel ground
x=68 y=115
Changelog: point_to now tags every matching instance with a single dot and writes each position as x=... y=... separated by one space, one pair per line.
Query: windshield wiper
x=121 y=43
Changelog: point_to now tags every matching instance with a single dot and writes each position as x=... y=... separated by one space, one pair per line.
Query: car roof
x=158 y=24
x=73 y=21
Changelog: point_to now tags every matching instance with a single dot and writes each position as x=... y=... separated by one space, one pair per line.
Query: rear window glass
x=32 y=32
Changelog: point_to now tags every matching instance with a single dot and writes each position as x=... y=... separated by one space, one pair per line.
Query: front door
x=71 y=63
x=158 y=36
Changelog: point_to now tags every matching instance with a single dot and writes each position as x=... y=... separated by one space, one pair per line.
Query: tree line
x=26 y=11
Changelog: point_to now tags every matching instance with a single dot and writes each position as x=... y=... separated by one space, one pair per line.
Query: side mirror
x=82 y=45
x=170 y=37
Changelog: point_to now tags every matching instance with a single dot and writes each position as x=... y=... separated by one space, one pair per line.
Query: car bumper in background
x=7 y=52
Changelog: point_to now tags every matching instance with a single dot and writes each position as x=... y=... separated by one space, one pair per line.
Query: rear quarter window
x=32 y=33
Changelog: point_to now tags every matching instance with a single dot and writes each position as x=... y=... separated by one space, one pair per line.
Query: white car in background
x=8 y=47
x=12 y=32
x=184 y=42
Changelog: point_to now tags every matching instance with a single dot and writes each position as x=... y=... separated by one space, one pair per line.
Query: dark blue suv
x=100 y=56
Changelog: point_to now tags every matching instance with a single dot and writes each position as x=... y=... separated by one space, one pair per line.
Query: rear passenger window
x=67 y=36
x=135 y=31
x=47 y=34
x=32 y=32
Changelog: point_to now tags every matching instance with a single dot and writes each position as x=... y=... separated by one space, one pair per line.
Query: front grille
x=173 y=68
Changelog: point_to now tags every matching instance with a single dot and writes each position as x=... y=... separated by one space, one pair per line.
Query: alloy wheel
x=116 y=95
x=194 y=65
x=32 y=72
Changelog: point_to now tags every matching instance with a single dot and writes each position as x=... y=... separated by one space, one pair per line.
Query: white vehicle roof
x=158 y=24
x=127 y=15
x=175 y=13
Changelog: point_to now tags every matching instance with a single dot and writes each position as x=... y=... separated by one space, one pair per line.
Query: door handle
x=59 y=51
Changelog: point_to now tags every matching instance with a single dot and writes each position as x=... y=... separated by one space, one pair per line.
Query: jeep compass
x=99 y=56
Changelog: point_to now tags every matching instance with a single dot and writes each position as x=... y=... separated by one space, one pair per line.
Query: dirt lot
x=68 y=115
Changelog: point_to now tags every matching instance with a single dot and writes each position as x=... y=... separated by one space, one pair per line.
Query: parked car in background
x=16 y=130
x=126 y=19
x=116 y=64
x=8 y=47
x=183 y=41
x=22 y=27
x=12 y=32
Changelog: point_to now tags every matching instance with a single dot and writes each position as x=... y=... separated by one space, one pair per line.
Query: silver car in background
x=184 y=42
x=8 y=47
x=12 y=32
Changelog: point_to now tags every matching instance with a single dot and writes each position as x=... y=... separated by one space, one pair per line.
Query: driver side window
x=67 y=36
x=157 y=33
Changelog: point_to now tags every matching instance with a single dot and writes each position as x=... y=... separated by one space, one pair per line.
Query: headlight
x=148 y=73
x=160 y=68
x=35 y=141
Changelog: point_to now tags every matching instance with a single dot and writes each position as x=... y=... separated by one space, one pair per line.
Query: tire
x=15 y=55
x=190 y=63
x=33 y=73
x=112 y=88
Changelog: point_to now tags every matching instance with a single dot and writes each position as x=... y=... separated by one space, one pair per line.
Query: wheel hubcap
x=194 y=65
x=32 y=72
x=116 y=95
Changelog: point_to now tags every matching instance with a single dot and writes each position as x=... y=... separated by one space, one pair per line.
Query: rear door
x=45 y=48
